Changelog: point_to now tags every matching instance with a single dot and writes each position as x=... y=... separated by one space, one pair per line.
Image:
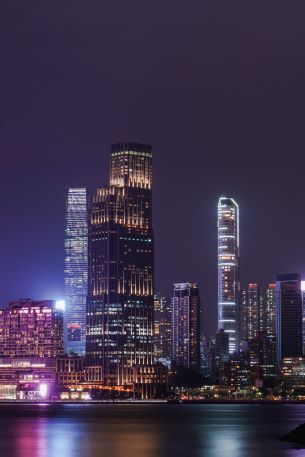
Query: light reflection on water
x=148 y=430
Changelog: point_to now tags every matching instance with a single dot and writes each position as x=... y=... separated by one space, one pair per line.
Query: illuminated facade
x=269 y=307
x=289 y=317
x=257 y=312
x=76 y=269
x=293 y=372
x=162 y=327
x=186 y=325
x=228 y=270
x=31 y=329
x=27 y=378
x=121 y=266
x=251 y=310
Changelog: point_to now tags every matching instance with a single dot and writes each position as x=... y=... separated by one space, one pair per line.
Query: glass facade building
x=186 y=325
x=228 y=270
x=121 y=267
x=289 y=317
x=76 y=269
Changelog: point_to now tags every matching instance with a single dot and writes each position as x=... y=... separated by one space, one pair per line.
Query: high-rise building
x=186 y=325
x=76 y=269
x=303 y=298
x=289 y=317
x=262 y=358
x=257 y=312
x=221 y=355
x=251 y=309
x=121 y=267
x=162 y=327
x=228 y=270
x=269 y=310
x=31 y=328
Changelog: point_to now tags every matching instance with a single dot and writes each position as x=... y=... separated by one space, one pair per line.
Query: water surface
x=148 y=430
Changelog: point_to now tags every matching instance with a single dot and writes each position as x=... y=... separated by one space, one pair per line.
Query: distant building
x=221 y=355
x=206 y=367
x=228 y=270
x=238 y=370
x=186 y=325
x=251 y=311
x=76 y=269
x=222 y=344
x=31 y=328
x=289 y=316
x=293 y=372
x=262 y=359
x=121 y=267
x=162 y=327
x=269 y=310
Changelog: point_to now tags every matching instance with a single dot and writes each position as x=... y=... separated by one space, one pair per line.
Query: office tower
x=269 y=310
x=228 y=270
x=76 y=269
x=303 y=314
x=31 y=328
x=289 y=316
x=222 y=344
x=262 y=358
x=237 y=370
x=251 y=311
x=257 y=312
x=186 y=325
x=221 y=355
x=162 y=328
x=121 y=266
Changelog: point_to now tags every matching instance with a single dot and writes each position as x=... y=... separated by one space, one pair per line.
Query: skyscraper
x=289 y=317
x=121 y=266
x=269 y=310
x=251 y=310
x=257 y=312
x=162 y=327
x=228 y=269
x=76 y=269
x=186 y=325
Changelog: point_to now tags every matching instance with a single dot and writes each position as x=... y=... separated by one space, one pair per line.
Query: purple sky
x=218 y=89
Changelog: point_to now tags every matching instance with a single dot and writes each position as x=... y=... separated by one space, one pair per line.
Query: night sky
x=218 y=89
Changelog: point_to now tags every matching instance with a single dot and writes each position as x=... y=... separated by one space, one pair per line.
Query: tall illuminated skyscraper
x=121 y=266
x=228 y=269
x=76 y=269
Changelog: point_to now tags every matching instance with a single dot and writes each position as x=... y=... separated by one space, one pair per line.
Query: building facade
x=269 y=310
x=186 y=325
x=27 y=378
x=121 y=267
x=289 y=317
x=250 y=312
x=162 y=328
x=76 y=269
x=31 y=328
x=228 y=270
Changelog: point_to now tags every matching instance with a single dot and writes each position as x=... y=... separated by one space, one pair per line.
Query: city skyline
x=152 y=248
x=224 y=116
x=210 y=313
